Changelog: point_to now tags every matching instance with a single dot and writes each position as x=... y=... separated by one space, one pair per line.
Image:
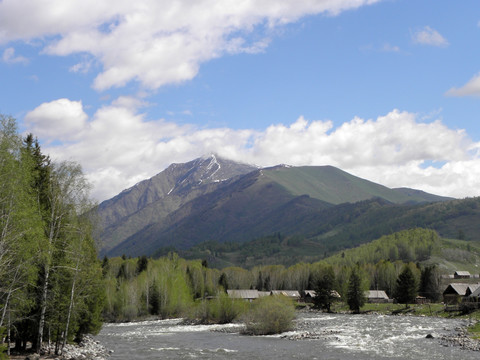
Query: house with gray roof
x=462 y=275
x=247 y=295
x=455 y=292
x=292 y=294
x=377 y=296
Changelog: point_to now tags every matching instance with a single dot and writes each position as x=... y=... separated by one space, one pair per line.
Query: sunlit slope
x=335 y=186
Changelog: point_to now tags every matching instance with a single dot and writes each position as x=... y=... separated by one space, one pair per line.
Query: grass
x=474 y=331
x=436 y=310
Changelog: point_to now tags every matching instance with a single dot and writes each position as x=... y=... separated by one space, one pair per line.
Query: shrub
x=270 y=315
x=221 y=310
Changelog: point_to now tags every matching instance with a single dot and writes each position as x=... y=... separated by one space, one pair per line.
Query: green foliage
x=270 y=315
x=407 y=286
x=223 y=281
x=408 y=245
x=163 y=288
x=356 y=290
x=50 y=276
x=142 y=264
x=430 y=283
x=324 y=286
x=218 y=310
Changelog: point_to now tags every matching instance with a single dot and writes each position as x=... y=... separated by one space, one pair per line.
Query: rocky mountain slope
x=152 y=200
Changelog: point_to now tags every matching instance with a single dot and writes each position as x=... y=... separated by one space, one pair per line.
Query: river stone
x=33 y=357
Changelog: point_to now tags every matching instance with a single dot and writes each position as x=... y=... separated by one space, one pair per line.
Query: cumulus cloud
x=154 y=42
x=59 y=119
x=429 y=36
x=118 y=147
x=471 y=88
x=10 y=58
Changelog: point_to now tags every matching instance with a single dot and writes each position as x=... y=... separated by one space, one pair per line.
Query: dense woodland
x=51 y=285
x=172 y=286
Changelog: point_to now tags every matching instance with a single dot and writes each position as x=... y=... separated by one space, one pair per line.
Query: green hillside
x=335 y=186
x=338 y=228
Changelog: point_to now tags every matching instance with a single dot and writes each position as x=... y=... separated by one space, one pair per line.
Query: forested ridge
x=342 y=227
x=51 y=285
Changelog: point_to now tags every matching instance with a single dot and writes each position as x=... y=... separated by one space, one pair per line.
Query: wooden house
x=247 y=295
x=292 y=294
x=455 y=292
x=462 y=275
x=471 y=289
x=377 y=296
x=308 y=295
x=475 y=295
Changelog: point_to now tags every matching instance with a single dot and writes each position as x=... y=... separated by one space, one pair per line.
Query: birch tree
x=19 y=225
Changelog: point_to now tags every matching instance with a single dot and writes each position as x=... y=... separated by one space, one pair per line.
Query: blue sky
x=387 y=90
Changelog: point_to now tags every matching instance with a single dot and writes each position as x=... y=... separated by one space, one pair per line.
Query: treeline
x=51 y=285
x=408 y=245
x=171 y=286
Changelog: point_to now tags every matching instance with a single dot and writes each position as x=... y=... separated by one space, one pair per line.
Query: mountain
x=214 y=199
x=152 y=200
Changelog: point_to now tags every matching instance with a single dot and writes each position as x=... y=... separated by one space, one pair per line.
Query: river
x=328 y=337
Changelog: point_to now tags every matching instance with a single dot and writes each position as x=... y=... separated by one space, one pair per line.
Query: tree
x=20 y=226
x=430 y=283
x=406 y=289
x=260 y=284
x=223 y=281
x=356 y=290
x=324 y=286
x=142 y=264
x=49 y=272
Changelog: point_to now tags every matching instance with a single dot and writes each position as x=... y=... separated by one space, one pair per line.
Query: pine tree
x=406 y=290
x=324 y=286
x=223 y=281
x=356 y=290
x=430 y=283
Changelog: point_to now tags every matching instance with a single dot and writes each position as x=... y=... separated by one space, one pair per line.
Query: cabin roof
x=376 y=294
x=456 y=288
x=243 y=294
x=473 y=290
x=288 y=293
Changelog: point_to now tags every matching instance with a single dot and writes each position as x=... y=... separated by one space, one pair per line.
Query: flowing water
x=319 y=336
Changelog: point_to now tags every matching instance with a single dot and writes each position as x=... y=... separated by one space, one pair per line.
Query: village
x=459 y=288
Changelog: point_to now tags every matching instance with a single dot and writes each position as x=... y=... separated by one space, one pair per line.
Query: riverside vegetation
x=51 y=286
x=174 y=287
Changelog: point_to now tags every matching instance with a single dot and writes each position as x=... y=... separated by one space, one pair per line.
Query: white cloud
x=10 y=58
x=153 y=42
x=118 y=147
x=429 y=36
x=471 y=88
x=57 y=119
x=390 y=48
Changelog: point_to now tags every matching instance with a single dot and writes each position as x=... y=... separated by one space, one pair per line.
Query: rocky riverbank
x=462 y=339
x=88 y=349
